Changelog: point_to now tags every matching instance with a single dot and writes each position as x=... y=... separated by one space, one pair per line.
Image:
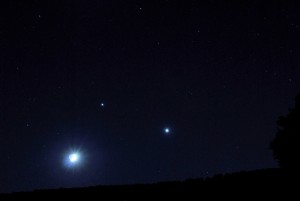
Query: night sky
x=142 y=91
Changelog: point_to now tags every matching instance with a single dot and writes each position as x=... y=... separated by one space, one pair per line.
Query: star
x=167 y=130
x=102 y=104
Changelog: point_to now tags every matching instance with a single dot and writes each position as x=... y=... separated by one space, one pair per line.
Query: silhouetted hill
x=267 y=182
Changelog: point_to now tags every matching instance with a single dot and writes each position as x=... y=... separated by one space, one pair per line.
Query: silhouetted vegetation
x=285 y=144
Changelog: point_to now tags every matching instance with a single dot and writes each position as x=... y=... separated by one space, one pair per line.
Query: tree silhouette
x=285 y=143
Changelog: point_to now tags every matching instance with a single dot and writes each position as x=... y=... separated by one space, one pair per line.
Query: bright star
x=167 y=130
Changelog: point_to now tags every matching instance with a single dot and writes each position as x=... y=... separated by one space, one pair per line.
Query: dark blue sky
x=217 y=74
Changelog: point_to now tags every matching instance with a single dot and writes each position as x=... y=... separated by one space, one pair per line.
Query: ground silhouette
x=267 y=182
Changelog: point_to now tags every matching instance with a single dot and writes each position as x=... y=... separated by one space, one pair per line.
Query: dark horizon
x=142 y=91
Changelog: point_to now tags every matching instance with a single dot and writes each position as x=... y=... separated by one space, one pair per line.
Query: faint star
x=102 y=104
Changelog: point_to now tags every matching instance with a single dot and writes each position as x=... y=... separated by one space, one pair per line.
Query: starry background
x=216 y=74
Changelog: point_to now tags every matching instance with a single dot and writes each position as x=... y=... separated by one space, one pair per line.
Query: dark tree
x=286 y=142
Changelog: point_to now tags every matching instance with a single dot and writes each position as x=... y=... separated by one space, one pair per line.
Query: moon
x=74 y=157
